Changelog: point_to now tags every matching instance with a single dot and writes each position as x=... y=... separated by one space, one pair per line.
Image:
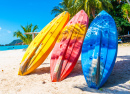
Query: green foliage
x=91 y=7
x=123 y=26
x=116 y=8
x=65 y=5
x=126 y=10
x=26 y=38
x=95 y=6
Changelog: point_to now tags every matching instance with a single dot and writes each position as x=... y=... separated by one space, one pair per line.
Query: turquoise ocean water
x=15 y=47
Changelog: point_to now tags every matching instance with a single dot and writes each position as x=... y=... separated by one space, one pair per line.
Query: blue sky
x=14 y=13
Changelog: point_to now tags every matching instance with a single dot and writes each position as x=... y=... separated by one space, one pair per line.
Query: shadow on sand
x=77 y=70
x=44 y=68
x=120 y=73
x=119 y=80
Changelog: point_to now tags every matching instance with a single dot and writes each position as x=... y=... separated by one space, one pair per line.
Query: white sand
x=39 y=81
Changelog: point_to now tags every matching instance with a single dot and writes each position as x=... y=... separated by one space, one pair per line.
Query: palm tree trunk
x=128 y=1
x=128 y=18
x=93 y=12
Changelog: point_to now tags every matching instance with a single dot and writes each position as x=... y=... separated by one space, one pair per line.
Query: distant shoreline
x=14 y=42
x=13 y=47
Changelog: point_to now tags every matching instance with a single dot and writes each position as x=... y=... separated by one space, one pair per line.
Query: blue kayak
x=99 y=50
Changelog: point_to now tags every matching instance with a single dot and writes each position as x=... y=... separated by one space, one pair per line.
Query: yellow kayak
x=42 y=44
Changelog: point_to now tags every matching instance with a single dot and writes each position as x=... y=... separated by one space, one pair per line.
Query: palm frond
x=25 y=38
x=90 y=6
x=24 y=29
x=126 y=11
x=57 y=10
x=19 y=34
x=34 y=29
x=30 y=27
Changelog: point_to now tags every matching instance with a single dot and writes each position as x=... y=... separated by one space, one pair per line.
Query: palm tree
x=91 y=7
x=25 y=38
x=126 y=11
x=65 y=5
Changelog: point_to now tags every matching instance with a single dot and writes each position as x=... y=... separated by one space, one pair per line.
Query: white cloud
x=5 y=30
x=8 y=31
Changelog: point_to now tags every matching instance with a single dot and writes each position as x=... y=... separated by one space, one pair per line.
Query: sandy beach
x=39 y=81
